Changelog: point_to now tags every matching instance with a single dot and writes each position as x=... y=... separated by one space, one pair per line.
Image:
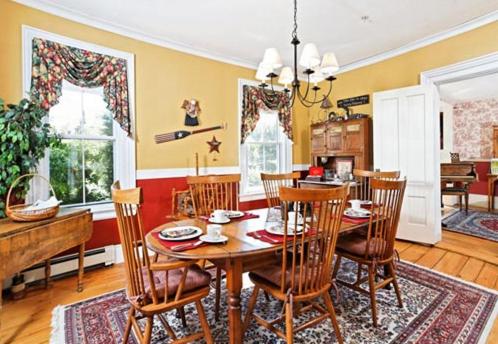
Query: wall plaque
x=359 y=100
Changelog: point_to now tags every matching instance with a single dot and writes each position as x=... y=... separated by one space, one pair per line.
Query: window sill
x=103 y=211
x=252 y=197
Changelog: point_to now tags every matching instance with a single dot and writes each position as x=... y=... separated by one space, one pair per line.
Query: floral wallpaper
x=473 y=128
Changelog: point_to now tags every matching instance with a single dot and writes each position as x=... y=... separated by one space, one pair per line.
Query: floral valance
x=255 y=99
x=53 y=62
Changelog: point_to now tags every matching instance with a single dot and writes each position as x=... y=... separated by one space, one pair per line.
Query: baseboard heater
x=68 y=265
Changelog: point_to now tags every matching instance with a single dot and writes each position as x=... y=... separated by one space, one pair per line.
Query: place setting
x=274 y=231
x=221 y=217
x=189 y=237
x=357 y=213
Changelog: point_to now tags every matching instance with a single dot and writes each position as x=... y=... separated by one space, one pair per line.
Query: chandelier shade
x=316 y=70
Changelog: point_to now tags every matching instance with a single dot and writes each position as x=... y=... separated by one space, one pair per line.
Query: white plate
x=233 y=214
x=357 y=214
x=207 y=238
x=197 y=232
x=212 y=220
x=277 y=230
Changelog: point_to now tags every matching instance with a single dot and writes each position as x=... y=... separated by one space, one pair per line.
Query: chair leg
x=371 y=287
x=337 y=265
x=392 y=272
x=289 y=334
x=148 y=330
x=333 y=317
x=250 y=308
x=466 y=202
x=204 y=323
x=181 y=314
x=131 y=314
x=217 y=294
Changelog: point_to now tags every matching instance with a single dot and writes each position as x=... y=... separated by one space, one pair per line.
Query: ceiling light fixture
x=316 y=70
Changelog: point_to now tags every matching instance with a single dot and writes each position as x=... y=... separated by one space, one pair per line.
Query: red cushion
x=356 y=244
x=196 y=279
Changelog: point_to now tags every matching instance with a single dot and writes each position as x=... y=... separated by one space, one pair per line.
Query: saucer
x=212 y=220
x=208 y=239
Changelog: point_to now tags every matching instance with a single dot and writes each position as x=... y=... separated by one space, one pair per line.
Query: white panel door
x=405 y=128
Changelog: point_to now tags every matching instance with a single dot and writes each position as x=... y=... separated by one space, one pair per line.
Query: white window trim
x=244 y=197
x=125 y=164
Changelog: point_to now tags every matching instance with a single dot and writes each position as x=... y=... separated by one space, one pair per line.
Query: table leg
x=490 y=183
x=234 y=287
x=81 y=267
x=493 y=181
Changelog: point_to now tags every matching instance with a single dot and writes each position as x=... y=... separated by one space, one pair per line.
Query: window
x=267 y=149
x=95 y=151
x=82 y=168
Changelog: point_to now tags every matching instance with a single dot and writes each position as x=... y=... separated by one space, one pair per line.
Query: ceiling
x=238 y=31
x=483 y=87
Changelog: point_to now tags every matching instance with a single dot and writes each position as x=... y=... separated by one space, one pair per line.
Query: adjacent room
x=248 y=172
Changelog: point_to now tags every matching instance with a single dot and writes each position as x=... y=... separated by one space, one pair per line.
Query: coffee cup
x=213 y=231
x=219 y=215
x=355 y=204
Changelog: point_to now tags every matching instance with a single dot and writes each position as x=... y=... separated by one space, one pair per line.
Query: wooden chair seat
x=196 y=279
x=273 y=274
x=356 y=244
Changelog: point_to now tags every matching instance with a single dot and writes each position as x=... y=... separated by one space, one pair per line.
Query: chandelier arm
x=306 y=103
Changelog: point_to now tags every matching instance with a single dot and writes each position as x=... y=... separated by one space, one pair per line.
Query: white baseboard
x=474 y=200
x=62 y=265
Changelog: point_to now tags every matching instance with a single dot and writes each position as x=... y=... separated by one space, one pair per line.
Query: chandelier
x=316 y=70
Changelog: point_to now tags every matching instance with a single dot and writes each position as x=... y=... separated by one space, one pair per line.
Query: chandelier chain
x=294 y=31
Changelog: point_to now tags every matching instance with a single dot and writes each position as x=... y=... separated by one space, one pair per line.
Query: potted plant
x=24 y=138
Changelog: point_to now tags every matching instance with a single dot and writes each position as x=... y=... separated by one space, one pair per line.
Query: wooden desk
x=492 y=178
x=23 y=244
x=242 y=253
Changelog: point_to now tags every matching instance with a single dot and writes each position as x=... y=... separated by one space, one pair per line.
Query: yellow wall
x=404 y=70
x=164 y=78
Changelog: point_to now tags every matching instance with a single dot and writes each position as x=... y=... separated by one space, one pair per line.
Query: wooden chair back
x=323 y=209
x=214 y=192
x=273 y=182
x=363 y=177
x=387 y=200
x=129 y=218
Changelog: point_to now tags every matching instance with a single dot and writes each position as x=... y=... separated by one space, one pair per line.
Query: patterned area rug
x=437 y=309
x=476 y=223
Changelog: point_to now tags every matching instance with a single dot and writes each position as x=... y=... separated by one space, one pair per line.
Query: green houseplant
x=24 y=138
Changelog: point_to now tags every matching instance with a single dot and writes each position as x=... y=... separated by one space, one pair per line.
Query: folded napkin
x=39 y=204
x=179 y=246
x=263 y=235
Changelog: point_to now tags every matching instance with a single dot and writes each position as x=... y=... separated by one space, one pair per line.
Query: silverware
x=186 y=246
x=259 y=236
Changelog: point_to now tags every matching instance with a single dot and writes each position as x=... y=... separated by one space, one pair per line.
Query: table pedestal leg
x=234 y=287
x=81 y=267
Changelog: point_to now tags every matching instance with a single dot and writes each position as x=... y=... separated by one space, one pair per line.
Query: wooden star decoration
x=214 y=145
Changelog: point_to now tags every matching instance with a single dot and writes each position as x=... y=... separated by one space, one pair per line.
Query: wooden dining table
x=241 y=253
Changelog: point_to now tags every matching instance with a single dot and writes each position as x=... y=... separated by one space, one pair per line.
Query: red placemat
x=263 y=235
x=170 y=245
x=348 y=219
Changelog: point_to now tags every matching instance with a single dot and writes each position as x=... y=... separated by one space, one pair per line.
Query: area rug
x=437 y=309
x=477 y=223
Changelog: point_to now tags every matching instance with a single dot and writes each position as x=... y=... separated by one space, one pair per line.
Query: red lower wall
x=480 y=187
x=157 y=205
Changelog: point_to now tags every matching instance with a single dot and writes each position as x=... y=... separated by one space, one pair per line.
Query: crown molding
x=420 y=43
x=82 y=18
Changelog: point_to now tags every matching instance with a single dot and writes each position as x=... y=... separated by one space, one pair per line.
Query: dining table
x=241 y=253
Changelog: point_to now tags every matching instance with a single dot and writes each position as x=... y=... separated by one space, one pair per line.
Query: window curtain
x=254 y=99
x=53 y=62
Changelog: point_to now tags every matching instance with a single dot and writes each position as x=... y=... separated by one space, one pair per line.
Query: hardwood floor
x=27 y=321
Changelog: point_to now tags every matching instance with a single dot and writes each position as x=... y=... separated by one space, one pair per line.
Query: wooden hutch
x=342 y=139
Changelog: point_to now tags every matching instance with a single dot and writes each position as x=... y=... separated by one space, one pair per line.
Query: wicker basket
x=18 y=212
